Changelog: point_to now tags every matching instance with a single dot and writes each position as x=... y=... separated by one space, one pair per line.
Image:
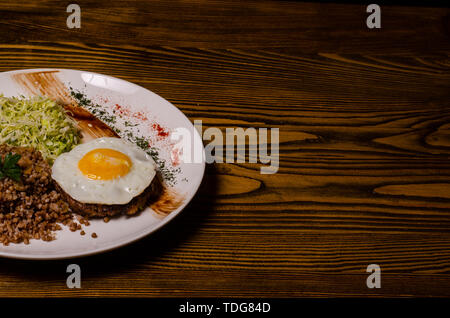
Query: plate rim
x=154 y=229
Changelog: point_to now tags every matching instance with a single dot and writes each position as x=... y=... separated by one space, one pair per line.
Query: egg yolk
x=104 y=164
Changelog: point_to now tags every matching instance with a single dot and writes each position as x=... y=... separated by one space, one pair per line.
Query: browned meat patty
x=136 y=205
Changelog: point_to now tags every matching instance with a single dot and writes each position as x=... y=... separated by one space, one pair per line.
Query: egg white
x=120 y=190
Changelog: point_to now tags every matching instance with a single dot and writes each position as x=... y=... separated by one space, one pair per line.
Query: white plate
x=145 y=113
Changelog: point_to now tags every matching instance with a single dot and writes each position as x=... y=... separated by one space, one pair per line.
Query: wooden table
x=364 y=119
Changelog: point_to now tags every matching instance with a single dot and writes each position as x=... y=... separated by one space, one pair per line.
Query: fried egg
x=106 y=170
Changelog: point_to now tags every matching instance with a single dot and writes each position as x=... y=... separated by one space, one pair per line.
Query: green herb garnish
x=9 y=167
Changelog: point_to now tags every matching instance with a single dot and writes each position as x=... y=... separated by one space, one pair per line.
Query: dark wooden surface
x=364 y=118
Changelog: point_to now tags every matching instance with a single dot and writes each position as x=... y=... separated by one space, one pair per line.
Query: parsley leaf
x=9 y=167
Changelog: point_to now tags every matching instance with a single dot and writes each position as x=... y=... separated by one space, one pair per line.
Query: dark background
x=364 y=131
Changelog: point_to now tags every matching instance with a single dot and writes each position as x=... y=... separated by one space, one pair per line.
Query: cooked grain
x=32 y=208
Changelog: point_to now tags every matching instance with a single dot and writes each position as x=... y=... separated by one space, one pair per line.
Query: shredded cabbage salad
x=37 y=122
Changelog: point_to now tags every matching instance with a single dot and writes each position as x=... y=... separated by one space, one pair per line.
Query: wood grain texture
x=313 y=27
x=364 y=145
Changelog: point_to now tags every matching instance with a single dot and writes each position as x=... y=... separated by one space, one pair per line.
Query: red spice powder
x=122 y=110
x=140 y=116
x=125 y=111
x=161 y=131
